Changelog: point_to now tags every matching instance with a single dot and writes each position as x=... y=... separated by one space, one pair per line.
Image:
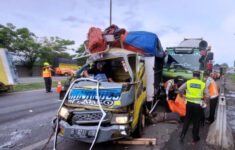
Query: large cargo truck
x=65 y=66
x=189 y=55
x=8 y=76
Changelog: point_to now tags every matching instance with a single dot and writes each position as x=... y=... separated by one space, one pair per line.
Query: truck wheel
x=140 y=125
x=66 y=74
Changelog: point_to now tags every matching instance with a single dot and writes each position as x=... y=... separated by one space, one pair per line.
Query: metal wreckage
x=95 y=111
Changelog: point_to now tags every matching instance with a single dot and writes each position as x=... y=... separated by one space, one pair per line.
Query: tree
x=7 y=36
x=26 y=46
x=81 y=50
x=224 y=65
x=20 y=41
x=54 y=47
x=32 y=49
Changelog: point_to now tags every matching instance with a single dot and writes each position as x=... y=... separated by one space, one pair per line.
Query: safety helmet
x=46 y=64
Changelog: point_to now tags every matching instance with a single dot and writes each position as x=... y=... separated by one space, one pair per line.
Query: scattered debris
x=7 y=145
x=15 y=136
x=138 y=141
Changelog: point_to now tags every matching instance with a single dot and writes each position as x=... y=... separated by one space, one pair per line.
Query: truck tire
x=3 y=88
x=66 y=74
x=138 y=132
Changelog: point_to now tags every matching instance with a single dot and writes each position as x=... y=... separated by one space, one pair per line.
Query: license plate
x=81 y=133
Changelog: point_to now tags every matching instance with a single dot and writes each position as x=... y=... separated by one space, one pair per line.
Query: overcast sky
x=171 y=20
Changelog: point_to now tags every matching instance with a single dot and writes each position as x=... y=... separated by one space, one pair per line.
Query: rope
x=49 y=139
x=101 y=120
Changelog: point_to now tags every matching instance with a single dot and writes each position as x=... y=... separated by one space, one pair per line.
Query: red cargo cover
x=96 y=42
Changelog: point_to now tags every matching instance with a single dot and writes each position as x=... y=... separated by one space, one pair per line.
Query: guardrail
x=220 y=133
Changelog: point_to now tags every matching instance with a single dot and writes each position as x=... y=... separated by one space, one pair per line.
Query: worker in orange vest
x=171 y=86
x=46 y=74
x=212 y=94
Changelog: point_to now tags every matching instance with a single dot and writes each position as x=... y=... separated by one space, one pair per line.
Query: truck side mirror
x=210 y=56
x=166 y=59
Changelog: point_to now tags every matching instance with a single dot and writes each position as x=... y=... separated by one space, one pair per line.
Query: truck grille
x=89 y=117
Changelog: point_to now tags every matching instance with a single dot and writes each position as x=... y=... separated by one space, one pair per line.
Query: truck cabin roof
x=112 y=52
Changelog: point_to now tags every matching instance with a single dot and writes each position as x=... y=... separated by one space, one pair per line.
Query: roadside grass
x=33 y=86
x=232 y=77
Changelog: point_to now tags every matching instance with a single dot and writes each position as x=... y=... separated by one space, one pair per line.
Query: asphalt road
x=25 y=124
x=25 y=117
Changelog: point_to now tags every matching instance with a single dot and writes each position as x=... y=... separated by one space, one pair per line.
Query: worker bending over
x=194 y=107
x=212 y=94
x=171 y=86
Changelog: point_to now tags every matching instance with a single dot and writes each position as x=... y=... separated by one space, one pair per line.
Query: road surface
x=25 y=123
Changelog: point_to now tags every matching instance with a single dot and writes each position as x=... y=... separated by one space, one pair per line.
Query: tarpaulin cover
x=178 y=105
x=96 y=42
x=146 y=41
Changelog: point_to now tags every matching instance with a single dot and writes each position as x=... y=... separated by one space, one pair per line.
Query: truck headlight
x=119 y=119
x=64 y=113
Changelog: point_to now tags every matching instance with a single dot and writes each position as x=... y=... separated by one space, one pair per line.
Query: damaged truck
x=95 y=110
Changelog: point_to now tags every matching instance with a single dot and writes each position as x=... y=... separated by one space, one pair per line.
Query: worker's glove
x=203 y=104
x=181 y=95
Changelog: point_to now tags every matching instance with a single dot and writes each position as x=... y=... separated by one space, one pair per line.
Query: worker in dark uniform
x=100 y=72
x=46 y=74
x=194 y=107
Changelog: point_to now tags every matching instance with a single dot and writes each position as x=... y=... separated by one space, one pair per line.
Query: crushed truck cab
x=123 y=101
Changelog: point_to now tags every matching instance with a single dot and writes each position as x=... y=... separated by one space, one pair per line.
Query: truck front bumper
x=87 y=133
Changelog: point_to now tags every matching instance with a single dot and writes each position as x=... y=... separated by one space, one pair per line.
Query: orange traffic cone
x=59 y=87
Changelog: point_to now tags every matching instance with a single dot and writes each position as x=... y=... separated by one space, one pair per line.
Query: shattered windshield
x=191 y=61
x=110 y=70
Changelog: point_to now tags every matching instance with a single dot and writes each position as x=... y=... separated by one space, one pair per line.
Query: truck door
x=140 y=88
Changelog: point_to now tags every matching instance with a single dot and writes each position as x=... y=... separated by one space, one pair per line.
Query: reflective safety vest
x=195 y=89
x=213 y=90
x=166 y=83
x=46 y=72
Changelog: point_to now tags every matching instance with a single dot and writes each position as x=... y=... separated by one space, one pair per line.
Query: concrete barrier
x=220 y=133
